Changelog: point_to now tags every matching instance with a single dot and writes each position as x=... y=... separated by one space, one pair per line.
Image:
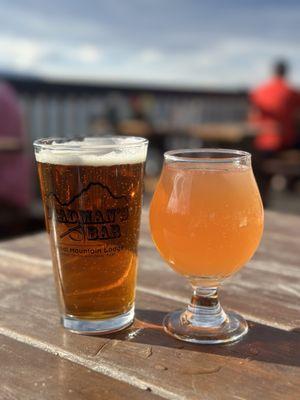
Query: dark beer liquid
x=92 y=217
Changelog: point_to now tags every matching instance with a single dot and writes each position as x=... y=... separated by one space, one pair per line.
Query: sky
x=197 y=43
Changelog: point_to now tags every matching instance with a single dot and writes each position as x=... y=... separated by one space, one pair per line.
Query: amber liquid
x=206 y=222
x=93 y=217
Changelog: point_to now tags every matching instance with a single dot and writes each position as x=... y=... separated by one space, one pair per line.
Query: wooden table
x=222 y=132
x=41 y=360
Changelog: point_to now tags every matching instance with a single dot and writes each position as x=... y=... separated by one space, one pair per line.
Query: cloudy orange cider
x=206 y=220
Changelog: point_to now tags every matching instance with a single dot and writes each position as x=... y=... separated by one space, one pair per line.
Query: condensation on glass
x=206 y=220
x=92 y=195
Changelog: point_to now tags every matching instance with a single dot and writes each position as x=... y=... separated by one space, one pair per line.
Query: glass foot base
x=233 y=328
x=97 y=327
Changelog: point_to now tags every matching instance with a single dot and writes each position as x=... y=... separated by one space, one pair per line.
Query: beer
x=206 y=221
x=92 y=210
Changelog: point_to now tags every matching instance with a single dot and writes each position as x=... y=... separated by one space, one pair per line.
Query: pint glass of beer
x=92 y=195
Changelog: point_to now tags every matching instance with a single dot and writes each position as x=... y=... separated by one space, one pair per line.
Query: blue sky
x=198 y=43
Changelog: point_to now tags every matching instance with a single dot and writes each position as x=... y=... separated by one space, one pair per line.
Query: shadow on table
x=262 y=343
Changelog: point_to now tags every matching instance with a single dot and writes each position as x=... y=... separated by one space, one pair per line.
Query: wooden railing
x=68 y=109
x=63 y=109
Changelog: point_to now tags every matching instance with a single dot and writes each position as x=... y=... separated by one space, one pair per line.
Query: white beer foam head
x=92 y=151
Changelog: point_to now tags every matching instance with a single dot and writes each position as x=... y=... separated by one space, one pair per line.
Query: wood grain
x=265 y=364
x=31 y=373
x=266 y=291
x=147 y=358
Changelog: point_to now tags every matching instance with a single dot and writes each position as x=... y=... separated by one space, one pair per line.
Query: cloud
x=162 y=41
x=19 y=53
x=88 y=54
x=32 y=55
x=150 y=56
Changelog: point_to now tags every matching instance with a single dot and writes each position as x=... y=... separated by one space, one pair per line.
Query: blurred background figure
x=275 y=112
x=275 y=106
x=14 y=163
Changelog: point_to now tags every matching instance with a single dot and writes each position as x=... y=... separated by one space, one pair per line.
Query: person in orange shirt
x=275 y=107
x=274 y=114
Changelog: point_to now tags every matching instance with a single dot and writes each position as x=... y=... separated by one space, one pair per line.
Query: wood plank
x=31 y=373
x=264 y=365
x=34 y=246
x=267 y=295
x=266 y=291
x=225 y=132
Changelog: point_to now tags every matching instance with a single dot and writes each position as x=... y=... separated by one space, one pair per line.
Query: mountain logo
x=95 y=213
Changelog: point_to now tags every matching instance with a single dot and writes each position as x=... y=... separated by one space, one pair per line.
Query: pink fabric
x=14 y=166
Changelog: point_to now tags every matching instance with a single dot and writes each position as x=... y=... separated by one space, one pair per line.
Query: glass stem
x=204 y=309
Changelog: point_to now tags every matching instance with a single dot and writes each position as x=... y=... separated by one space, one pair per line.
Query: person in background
x=274 y=110
x=14 y=161
x=274 y=113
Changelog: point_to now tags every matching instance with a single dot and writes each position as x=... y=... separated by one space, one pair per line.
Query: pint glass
x=92 y=193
